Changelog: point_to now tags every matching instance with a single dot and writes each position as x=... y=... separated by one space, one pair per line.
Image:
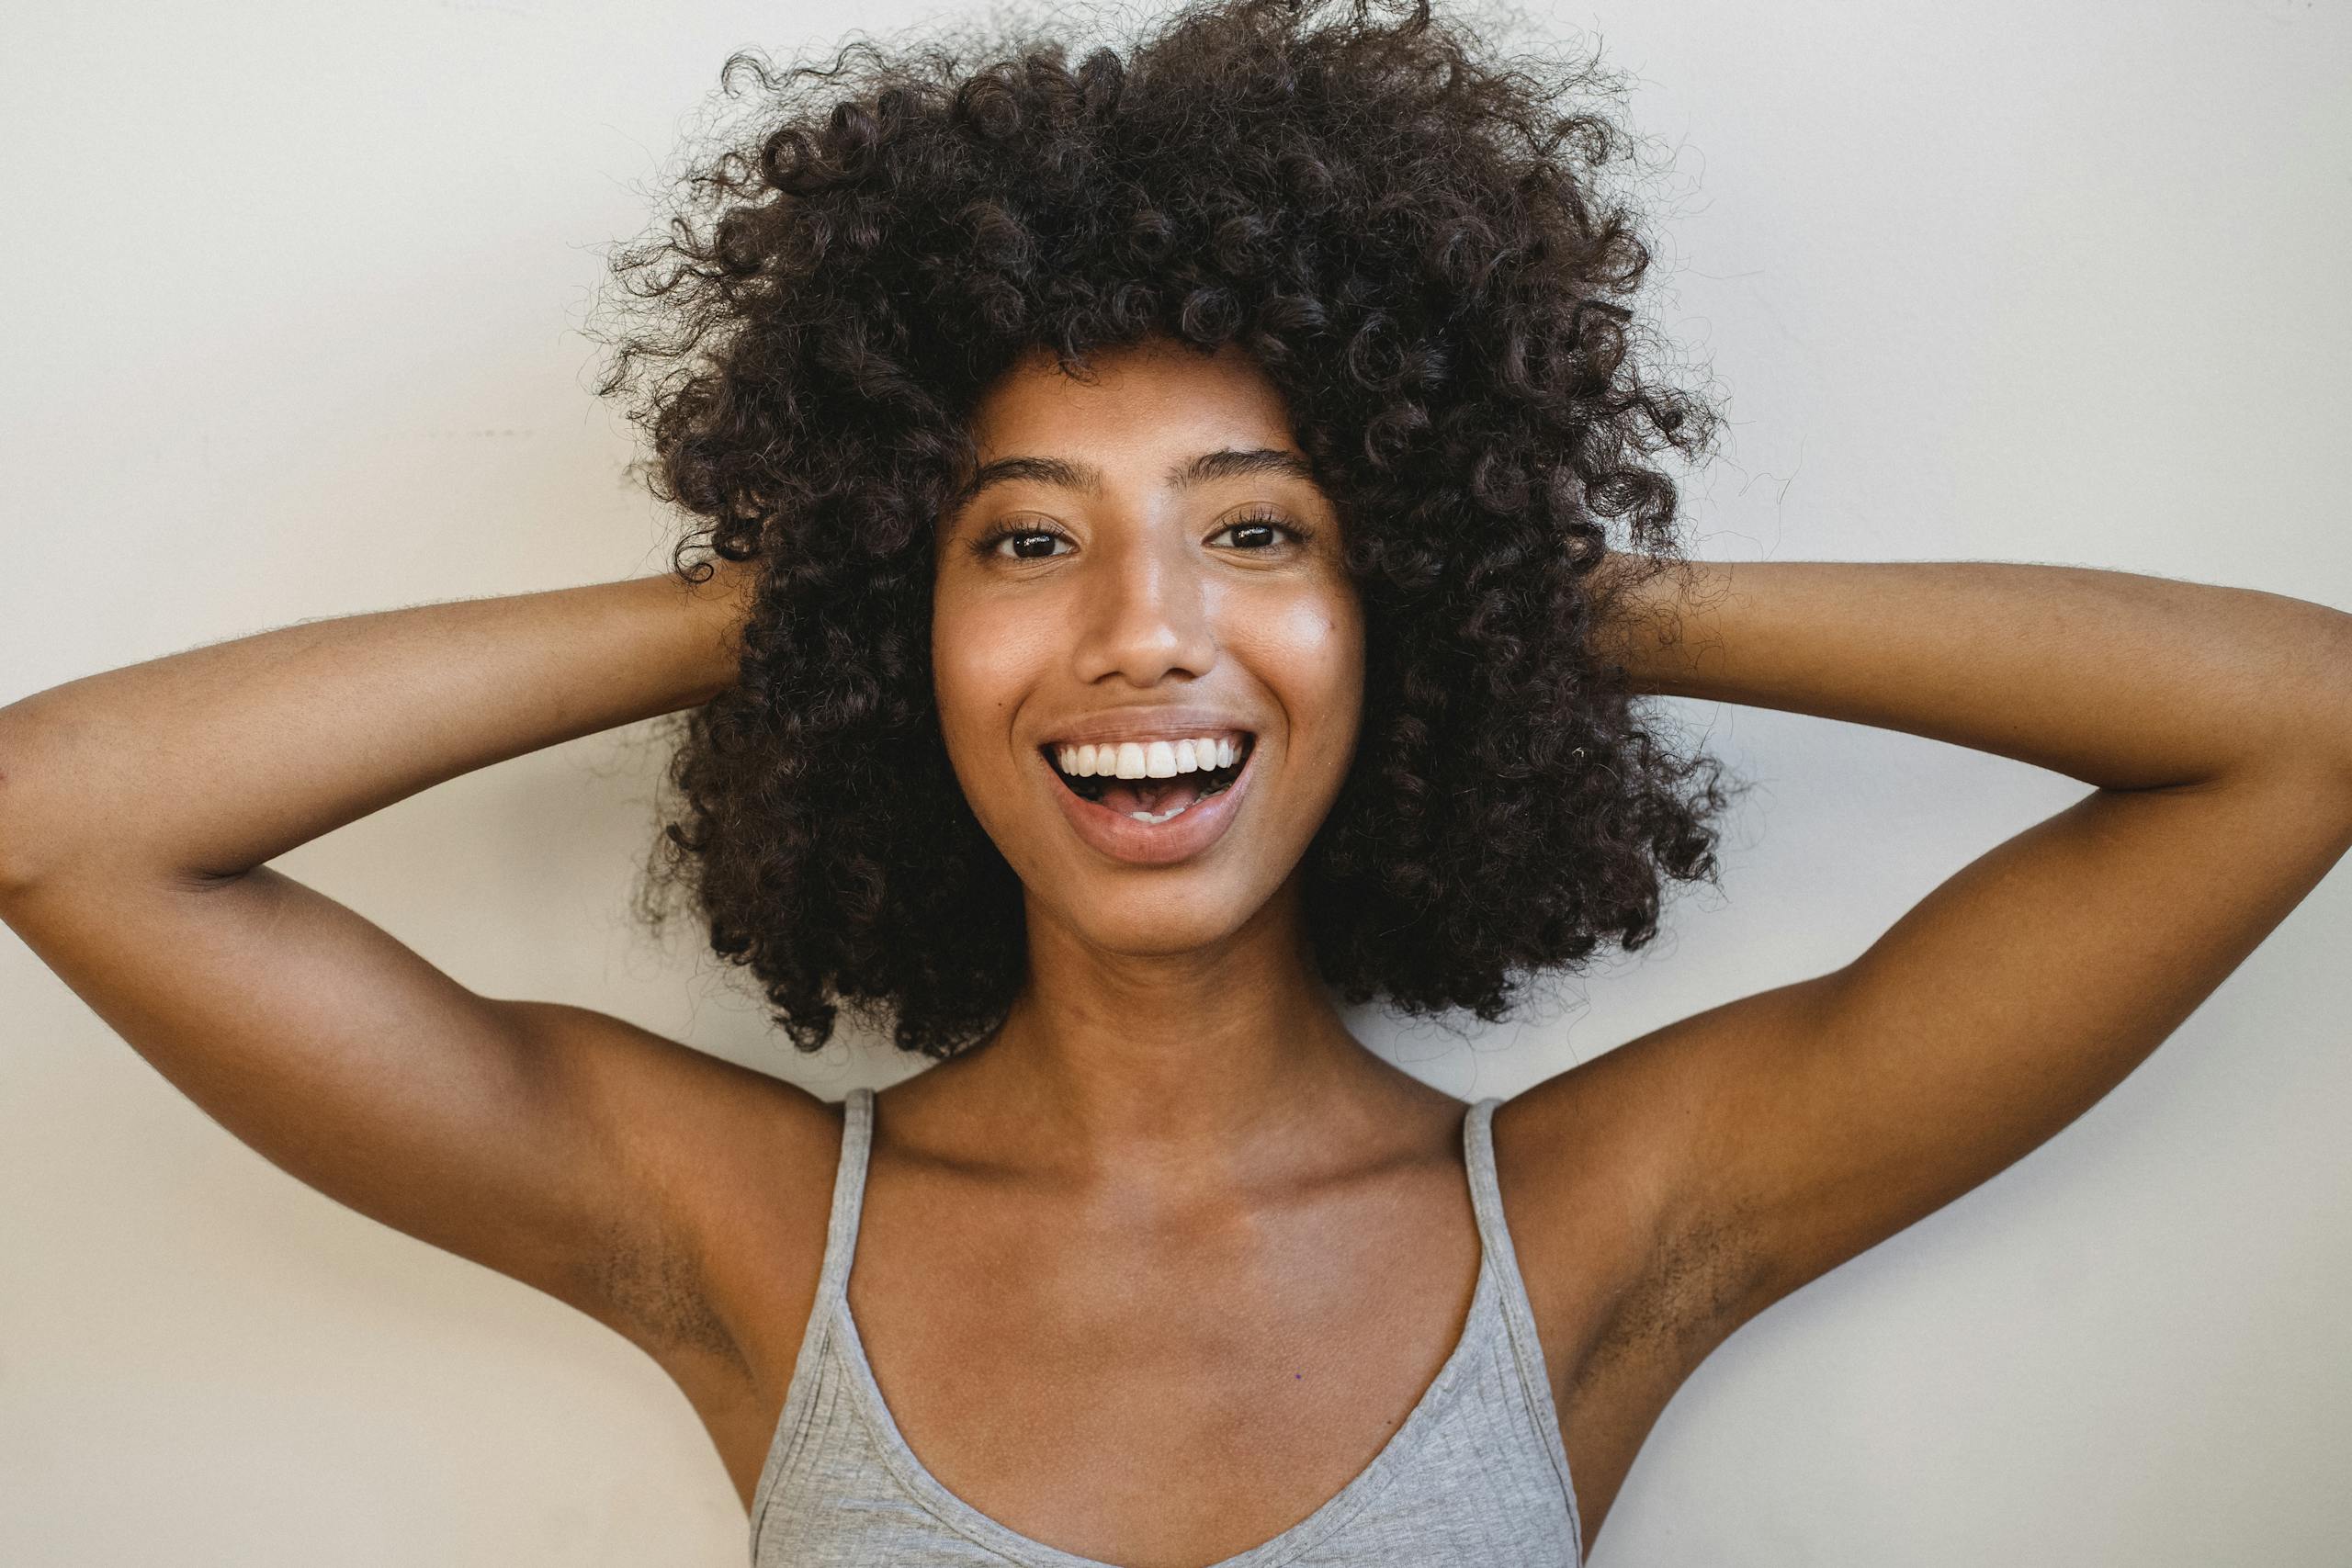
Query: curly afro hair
x=1411 y=236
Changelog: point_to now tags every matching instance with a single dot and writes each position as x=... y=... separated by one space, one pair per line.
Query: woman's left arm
x=1805 y=1123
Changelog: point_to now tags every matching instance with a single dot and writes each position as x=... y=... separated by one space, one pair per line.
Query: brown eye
x=1027 y=544
x=1255 y=533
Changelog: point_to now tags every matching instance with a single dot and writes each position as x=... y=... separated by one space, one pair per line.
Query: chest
x=1147 y=1387
x=1171 y=1388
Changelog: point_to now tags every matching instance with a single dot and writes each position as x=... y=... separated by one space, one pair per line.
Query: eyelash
x=984 y=546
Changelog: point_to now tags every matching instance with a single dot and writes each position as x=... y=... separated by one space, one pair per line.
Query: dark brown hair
x=1414 y=241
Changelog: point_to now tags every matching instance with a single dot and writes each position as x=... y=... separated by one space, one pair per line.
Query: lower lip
x=1153 y=844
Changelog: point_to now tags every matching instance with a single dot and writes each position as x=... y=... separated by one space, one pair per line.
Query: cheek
x=1311 y=647
x=983 y=656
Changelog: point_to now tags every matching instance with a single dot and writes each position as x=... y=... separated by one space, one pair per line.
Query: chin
x=1131 y=924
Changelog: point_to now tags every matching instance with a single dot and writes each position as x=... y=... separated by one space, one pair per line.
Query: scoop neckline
x=1478 y=1328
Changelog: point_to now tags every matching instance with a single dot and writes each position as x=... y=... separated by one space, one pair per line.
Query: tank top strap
x=849 y=1195
x=1519 y=1313
x=1486 y=1191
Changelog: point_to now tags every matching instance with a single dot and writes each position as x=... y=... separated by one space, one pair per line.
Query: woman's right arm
x=138 y=807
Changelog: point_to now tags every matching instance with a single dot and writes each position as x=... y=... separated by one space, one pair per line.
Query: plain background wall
x=293 y=332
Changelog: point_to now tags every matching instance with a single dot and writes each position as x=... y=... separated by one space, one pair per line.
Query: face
x=1148 y=656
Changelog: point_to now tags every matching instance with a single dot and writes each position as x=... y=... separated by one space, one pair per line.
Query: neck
x=1166 y=1066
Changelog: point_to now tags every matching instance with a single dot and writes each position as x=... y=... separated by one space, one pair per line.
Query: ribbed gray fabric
x=1476 y=1477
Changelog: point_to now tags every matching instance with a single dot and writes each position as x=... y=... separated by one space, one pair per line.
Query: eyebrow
x=1225 y=463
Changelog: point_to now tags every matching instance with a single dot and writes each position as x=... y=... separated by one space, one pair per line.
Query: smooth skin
x=1174 y=1181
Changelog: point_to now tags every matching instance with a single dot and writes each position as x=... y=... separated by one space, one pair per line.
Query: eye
x=1257 y=532
x=1028 y=543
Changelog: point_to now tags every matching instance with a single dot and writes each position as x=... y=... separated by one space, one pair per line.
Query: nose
x=1148 y=612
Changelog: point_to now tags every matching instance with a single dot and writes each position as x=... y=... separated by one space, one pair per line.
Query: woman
x=1163 y=510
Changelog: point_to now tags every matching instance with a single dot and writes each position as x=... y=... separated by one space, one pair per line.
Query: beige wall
x=291 y=332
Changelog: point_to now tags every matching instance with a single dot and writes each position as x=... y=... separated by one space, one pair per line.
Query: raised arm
x=1778 y=1134
x=204 y=765
x=138 y=807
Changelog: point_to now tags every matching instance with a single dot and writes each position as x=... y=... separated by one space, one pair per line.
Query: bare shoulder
x=1632 y=1282
x=1584 y=1218
x=734 y=1174
x=1593 y=1167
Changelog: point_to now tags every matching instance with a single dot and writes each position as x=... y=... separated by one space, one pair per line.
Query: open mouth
x=1148 y=793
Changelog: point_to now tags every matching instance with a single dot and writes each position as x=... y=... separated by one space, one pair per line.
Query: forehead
x=1147 y=395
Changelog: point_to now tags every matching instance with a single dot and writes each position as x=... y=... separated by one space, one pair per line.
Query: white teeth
x=1151 y=758
x=1147 y=816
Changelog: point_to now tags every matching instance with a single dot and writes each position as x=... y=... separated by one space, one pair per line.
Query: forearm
x=2113 y=677
x=214 y=760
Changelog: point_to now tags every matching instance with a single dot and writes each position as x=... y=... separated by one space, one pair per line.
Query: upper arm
x=559 y=1146
x=1778 y=1134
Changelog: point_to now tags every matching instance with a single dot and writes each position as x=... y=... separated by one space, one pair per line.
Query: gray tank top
x=1475 y=1477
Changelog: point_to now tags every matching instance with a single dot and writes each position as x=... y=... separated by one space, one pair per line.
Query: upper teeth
x=1146 y=758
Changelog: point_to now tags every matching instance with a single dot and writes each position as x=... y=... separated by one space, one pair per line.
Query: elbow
x=2334 y=697
x=30 y=829
x=17 y=849
x=62 y=811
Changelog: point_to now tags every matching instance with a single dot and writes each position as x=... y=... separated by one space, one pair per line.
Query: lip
x=1153 y=844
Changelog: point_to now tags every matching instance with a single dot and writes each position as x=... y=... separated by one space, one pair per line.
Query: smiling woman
x=1194 y=589
x=1145 y=581
x=1281 y=367
x=1175 y=480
